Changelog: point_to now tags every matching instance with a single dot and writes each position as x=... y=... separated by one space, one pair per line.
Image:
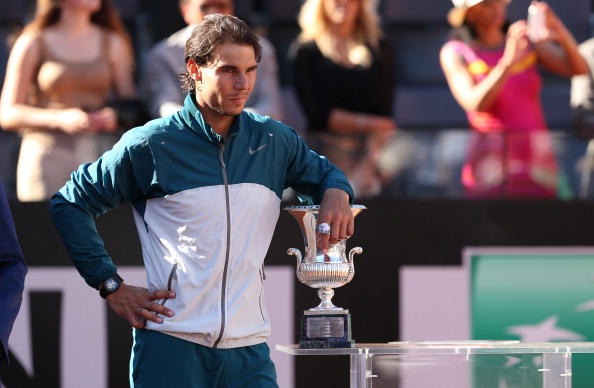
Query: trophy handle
x=295 y=252
x=352 y=252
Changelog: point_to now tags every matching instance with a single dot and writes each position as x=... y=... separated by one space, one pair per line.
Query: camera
x=536 y=22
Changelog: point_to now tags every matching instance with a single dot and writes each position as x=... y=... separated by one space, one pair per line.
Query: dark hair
x=214 y=31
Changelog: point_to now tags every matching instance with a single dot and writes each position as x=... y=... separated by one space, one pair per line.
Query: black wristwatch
x=110 y=285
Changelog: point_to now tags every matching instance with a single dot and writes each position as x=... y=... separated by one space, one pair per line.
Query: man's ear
x=194 y=70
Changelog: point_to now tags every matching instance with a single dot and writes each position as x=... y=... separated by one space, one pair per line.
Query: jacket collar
x=195 y=121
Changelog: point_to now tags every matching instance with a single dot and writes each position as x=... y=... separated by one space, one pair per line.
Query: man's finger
x=322 y=242
x=162 y=294
x=160 y=309
x=147 y=315
x=342 y=231
x=136 y=320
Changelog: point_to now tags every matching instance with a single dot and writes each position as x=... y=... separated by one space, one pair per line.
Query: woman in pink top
x=491 y=69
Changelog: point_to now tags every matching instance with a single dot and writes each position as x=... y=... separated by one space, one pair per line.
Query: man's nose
x=241 y=81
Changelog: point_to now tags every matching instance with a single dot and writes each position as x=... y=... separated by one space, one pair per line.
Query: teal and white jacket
x=205 y=210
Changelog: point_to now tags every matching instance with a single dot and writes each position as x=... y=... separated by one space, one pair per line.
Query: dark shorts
x=159 y=360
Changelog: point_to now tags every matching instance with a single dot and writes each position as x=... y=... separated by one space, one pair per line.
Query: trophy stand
x=322 y=329
x=324 y=326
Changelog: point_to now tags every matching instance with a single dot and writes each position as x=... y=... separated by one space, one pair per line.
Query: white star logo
x=511 y=361
x=586 y=306
x=545 y=331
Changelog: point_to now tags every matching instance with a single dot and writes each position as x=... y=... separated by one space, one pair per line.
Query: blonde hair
x=366 y=34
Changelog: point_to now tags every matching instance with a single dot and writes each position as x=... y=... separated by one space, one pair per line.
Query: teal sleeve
x=83 y=243
x=121 y=175
x=311 y=174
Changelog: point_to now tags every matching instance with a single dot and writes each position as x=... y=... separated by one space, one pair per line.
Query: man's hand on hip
x=137 y=304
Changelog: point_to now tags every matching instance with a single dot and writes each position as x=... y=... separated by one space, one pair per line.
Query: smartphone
x=536 y=22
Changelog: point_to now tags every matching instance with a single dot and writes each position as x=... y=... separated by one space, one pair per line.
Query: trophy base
x=326 y=329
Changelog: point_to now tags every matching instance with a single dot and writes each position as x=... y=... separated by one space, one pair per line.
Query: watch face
x=110 y=284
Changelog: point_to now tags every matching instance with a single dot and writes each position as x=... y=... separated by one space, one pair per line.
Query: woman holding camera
x=492 y=70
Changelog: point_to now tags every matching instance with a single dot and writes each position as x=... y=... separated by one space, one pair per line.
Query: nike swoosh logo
x=251 y=151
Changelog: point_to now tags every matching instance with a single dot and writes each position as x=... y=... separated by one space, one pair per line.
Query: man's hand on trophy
x=335 y=219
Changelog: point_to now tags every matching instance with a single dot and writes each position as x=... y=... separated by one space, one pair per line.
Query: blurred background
x=426 y=156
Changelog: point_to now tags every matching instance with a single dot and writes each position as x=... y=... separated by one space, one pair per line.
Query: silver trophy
x=323 y=326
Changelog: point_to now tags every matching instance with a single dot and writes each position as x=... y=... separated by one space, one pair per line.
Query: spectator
x=12 y=274
x=343 y=75
x=491 y=69
x=165 y=61
x=60 y=76
x=582 y=95
x=205 y=184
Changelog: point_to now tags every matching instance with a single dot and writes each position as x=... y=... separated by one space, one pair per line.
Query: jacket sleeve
x=121 y=175
x=310 y=174
x=12 y=273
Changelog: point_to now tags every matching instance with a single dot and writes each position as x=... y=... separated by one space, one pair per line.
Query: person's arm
x=93 y=190
x=12 y=273
x=351 y=122
x=265 y=98
x=316 y=180
x=15 y=113
x=473 y=96
x=557 y=50
x=582 y=93
x=164 y=93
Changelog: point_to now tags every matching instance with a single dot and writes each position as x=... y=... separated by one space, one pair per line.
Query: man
x=165 y=62
x=12 y=274
x=206 y=186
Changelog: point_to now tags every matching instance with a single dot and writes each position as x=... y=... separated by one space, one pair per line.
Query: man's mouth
x=238 y=98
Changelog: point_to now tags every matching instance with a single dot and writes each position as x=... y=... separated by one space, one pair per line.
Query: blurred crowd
x=78 y=75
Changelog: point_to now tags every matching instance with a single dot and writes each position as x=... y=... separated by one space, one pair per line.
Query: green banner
x=535 y=295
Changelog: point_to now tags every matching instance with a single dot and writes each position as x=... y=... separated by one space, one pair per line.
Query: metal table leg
x=361 y=370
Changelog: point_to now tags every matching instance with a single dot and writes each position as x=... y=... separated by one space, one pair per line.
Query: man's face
x=223 y=86
x=193 y=11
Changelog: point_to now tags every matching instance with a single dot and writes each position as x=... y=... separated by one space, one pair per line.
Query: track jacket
x=205 y=211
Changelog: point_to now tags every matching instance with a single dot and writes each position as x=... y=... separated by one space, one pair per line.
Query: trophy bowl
x=324 y=271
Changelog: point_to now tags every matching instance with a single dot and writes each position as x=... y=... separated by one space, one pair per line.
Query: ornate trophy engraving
x=323 y=326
